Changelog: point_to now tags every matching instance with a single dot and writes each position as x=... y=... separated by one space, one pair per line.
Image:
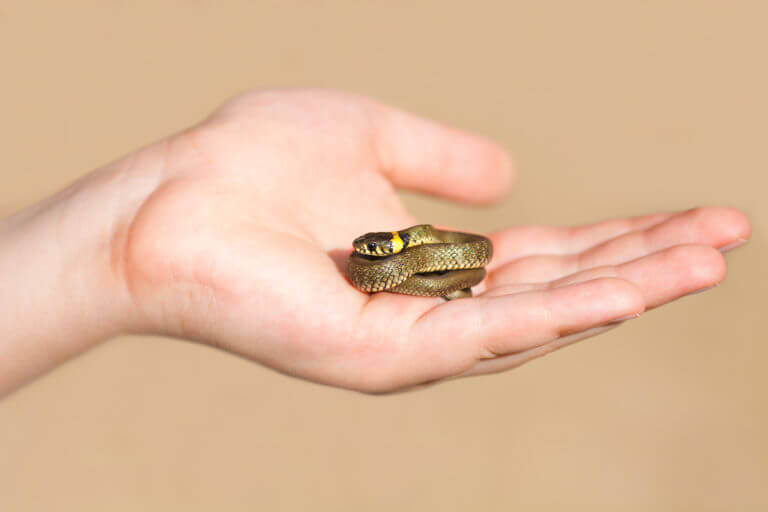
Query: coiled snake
x=420 y=260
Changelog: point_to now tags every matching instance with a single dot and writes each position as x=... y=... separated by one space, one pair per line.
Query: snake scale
x=420 y=260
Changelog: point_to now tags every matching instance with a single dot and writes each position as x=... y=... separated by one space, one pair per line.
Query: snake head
x=379 y=244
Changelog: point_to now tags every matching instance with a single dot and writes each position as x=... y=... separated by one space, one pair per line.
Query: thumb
x=428 y=157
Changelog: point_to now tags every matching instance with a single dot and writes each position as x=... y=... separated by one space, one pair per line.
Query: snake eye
x=371 y=247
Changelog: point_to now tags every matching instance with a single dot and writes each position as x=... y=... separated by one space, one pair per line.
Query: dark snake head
x=379 y=244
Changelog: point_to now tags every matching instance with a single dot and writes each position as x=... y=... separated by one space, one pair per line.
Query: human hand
x=234 y=233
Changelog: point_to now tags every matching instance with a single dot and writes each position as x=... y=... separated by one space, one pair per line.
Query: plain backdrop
x=611 y=108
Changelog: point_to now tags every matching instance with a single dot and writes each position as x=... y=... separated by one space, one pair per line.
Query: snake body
x=420 y=260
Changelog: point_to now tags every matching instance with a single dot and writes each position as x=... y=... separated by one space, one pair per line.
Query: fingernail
x=625 y=318
x=700 y=290
x=733 y=245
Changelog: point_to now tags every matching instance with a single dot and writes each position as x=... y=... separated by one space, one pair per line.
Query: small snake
x=420 y=260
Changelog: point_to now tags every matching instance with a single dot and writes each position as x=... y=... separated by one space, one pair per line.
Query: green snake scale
x=420 y=260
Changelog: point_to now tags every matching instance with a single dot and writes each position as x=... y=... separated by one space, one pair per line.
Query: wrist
x=62 y=291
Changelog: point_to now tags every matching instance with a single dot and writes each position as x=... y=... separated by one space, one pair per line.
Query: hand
x=234 y=233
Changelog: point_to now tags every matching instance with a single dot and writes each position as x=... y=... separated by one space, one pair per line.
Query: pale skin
x=233 y=233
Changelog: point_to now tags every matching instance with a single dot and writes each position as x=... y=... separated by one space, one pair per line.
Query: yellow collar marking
x=397 y=242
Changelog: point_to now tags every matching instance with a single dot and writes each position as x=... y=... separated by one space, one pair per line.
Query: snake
x=419 y=260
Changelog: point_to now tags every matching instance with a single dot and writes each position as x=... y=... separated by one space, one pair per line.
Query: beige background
x=611 y=108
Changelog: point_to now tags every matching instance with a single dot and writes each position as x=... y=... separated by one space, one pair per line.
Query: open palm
x=242 y=242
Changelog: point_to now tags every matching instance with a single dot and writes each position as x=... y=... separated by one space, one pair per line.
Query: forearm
x=62 y=291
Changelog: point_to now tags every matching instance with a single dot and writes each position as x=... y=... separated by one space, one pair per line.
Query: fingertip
x=614 y=296
x=739 y=221
x=506 y=177
x=596 y=302
x=731 y=224
x=690 y=267
x=708 y=267
x=483 y=171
